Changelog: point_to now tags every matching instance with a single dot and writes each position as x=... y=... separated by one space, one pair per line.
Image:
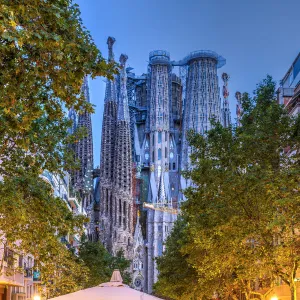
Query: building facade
x=289 y=91
x=115 y=184
x=81 y=182
x=144 y=149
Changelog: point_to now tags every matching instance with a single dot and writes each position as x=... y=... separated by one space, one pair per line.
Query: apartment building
x=288 y=93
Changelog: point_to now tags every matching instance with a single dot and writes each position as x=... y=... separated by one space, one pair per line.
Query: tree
x=63 y=273
x=32 y=223
x=177 y=279
x=45 y=52
x=242 y=212
x=101 y=263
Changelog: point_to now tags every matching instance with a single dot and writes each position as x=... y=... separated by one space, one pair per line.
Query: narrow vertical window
x=159 y=153
x=159 y=136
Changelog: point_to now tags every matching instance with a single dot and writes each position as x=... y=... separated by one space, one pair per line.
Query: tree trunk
x=293 y=291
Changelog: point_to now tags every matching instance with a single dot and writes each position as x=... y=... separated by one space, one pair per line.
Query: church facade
x=144 y=149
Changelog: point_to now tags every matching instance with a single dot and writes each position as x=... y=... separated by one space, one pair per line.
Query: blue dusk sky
x=257 y=37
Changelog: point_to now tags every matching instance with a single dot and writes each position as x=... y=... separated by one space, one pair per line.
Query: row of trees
x=45 y=52
x=238 y=234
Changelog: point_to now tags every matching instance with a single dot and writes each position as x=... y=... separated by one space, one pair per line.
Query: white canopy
x=115 y=289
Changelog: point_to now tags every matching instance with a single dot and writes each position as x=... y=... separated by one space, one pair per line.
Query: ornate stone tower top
x=123 y=111
x=226 y=116
x=73 y=117
x=85 y=89
x=239 y=109
x=84 y=151
x=110 y=43
x=111 y=90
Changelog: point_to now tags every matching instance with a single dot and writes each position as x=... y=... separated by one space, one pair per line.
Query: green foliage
x=33 y=221
x=63 y=273
x=101 y=263
x=242 y=213
x=45 y=52
x=175 y=273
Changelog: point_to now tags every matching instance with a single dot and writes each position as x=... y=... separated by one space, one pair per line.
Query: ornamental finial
x=123 y=59
x=238 y=96
x=110 y=43
x=225 y=78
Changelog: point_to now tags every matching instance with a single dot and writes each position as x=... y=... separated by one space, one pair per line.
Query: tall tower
x=121 y=204
x=84 y=152
x=226 y=116
x=202 y=101
x=159 y=105
x=160 y=213
x=107 y=153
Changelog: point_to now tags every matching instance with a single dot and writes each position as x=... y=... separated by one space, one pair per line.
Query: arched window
x=159 y=153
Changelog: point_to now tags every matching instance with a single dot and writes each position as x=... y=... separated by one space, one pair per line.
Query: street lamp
x=37 y=297
x=274 y=298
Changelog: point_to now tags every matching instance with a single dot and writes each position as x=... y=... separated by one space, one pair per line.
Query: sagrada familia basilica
x=144 y=149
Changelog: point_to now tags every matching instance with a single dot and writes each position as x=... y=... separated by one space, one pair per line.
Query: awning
x=115 y=289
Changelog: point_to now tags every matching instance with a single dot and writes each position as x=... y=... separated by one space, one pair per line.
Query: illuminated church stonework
x=144 y=149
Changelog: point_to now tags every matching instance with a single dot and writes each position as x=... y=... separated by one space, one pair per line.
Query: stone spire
x=123 y=110
x=86 y=89
x=123 y=168
x=122 y=179
x=109 y=124
x=226 y=116
x=110 y=43
x=73 y=117
x=162 y=199
x=84 y=147
x=239 y=109
x=71 y=130
x=107 y=157
x=111 y=90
